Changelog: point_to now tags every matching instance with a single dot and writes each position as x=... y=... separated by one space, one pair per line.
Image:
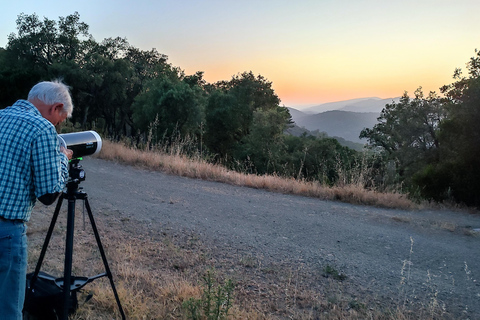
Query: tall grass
x=173 y=161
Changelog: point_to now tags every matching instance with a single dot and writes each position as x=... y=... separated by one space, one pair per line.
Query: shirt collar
x=28 y=106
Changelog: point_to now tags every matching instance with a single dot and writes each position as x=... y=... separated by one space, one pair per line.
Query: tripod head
x=76 y=175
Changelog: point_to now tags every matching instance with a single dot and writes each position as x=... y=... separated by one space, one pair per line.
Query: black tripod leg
x=104 y=258
x=46 y=242
x=67 y=272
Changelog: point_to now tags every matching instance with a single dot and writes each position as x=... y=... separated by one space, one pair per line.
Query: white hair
x=51 y=92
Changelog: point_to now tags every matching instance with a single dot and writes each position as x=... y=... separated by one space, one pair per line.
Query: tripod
x=71 y=283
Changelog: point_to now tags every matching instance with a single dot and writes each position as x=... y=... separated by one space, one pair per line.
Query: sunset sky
x=312 y=51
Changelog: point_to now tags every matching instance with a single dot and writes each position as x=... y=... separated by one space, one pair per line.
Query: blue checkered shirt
x=31 y=164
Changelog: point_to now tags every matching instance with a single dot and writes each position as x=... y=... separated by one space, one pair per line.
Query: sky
x=312 y=52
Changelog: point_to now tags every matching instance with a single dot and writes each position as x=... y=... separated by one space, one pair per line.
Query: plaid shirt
x=31 y=163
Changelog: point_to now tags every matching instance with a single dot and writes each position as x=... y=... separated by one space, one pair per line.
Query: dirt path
x=437 y=251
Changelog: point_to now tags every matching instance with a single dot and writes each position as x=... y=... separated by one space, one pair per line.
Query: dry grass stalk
x=200 y=169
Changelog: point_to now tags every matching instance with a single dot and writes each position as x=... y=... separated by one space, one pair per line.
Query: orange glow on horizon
x=306 y=91
x=309 y=80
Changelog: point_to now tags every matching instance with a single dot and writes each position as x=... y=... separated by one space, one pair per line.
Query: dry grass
x=199 y=169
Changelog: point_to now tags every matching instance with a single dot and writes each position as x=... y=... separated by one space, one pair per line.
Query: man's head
x=53 y=100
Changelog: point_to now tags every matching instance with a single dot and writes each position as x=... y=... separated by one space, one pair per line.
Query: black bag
x=45 y=301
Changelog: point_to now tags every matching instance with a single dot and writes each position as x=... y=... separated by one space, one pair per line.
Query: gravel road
x=437 y=250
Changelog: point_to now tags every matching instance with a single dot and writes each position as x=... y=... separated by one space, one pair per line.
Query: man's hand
x=67 y=152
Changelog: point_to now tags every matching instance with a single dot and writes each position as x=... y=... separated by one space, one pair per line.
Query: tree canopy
x=431 y=143
x=436 y=140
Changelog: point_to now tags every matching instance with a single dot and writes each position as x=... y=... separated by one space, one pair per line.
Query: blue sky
x=312 y=51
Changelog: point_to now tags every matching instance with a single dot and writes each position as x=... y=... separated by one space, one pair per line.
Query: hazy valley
x=342 y=119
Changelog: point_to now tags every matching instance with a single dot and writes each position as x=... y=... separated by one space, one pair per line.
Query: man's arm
x=49 y=198
x=50 y=166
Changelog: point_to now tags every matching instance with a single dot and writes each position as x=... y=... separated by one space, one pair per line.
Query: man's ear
x=53 y=108
x=58 y=107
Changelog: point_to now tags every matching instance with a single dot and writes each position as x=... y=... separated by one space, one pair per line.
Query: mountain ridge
x=344 y=124
x=344 y=119
x=369 y=104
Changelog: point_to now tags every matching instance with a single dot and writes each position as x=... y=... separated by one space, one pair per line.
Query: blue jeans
x=13 y=268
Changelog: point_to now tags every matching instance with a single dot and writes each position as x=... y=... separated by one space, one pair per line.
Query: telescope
x=84 y=143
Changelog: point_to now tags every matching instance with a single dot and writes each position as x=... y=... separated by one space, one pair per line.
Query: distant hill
x=297 y=131
x=370 y=105
x=296 y=114
x=343 y=124
x=355 y=105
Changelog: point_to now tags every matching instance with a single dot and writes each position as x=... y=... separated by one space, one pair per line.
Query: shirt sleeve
x=49 y=164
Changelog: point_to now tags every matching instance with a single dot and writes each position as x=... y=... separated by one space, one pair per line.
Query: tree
x=408 y=132
x=311 y=158
x=169 y=105
x=437 y=141
x=15 y=77
x=460 y=138
x=41 y=50
x=221 y=123
x=70 y=31
x=105 y=77
x=230 y=112
x=102 y=87
x=43 y=43
x=27 y=56
x=264 y=146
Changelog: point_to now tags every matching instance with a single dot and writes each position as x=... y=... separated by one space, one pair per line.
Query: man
x=32 y=165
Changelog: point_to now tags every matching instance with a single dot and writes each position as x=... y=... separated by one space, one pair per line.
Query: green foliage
x=222 y=123
x=230 y=112
x=330 y=271
x=408 y=133
x=454 y=174
x=177 y=105
x=105 y=77
x=215 y=303
x=358 y=306
x=264 y=145
x=310 y=158
x=436 y=141
x=460 y=136
x=435 y=181
x=127 y=92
